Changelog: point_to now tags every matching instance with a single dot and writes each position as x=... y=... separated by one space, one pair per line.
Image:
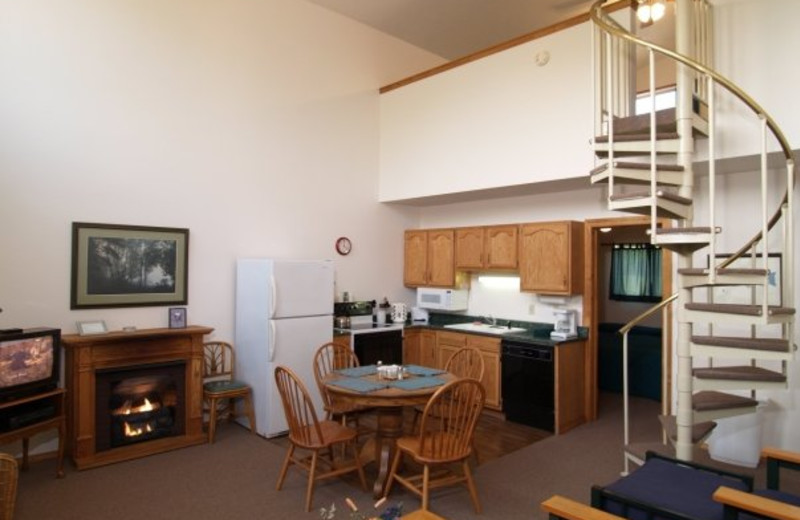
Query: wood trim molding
x=590 y=305
x=566 y=24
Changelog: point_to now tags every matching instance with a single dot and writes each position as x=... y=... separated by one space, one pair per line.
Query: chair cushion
x=780 y=496
x=668 y=485
x=218 y=387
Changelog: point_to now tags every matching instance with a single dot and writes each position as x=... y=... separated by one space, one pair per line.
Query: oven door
x=385 y=346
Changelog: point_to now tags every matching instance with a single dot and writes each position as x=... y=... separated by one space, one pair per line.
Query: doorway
x=593 y=298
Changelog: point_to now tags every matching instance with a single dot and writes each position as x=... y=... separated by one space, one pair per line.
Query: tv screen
x=28 y=362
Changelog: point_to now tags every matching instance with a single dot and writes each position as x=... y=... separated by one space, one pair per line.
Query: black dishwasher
x=528 y=384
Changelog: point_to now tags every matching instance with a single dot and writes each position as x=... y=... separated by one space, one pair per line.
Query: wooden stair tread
x=768 y=344
x=665 y=122
x=700 y=430
x=627 y=138
x=709 y=400
x=735 y=308
x=739 y=373
x=667 y=195
x=699 y=271
x=637 y=166
x=683 y=230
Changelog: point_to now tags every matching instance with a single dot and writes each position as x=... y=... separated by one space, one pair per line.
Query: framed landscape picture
x=128 y=266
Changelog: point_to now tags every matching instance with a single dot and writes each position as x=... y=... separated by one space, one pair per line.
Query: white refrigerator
x=284 y=313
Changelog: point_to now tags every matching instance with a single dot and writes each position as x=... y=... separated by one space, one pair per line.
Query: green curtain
x=635 y=273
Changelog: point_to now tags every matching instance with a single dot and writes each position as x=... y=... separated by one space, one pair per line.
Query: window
x=635 y=273
x=664 y=99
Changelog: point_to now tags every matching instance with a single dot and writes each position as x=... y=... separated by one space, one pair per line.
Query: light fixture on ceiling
x=605 y=230
x=649 y=11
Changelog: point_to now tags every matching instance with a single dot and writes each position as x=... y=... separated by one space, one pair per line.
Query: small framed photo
x=86 y=328
x=177 y=317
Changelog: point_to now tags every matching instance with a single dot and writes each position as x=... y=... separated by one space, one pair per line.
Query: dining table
x=365 y=386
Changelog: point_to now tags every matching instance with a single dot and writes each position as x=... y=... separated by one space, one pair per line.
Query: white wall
x=253 y=124
x=755 y=47
x=502 y=120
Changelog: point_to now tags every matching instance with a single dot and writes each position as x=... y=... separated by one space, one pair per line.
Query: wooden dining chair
x=9 y=475
x=328 y=358
x=466 y=362
x=443 y=441
x=308 y=433
x=220 y=387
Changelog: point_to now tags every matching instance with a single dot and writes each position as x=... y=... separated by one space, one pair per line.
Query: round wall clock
x=343 y=245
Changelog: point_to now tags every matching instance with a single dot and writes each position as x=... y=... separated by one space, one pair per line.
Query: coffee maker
x=565 y=326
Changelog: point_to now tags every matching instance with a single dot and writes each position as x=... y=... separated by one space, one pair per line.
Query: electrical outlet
x=532 y=308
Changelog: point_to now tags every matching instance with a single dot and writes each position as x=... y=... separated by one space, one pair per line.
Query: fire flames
x=129 y=409
x=135 y=432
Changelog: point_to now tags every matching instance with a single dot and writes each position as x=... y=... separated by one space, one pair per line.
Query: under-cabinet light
x=495 y=281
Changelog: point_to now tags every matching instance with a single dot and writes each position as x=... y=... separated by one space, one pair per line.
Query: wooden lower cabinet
x=419 y=347
x=570 y=385
x=411 y=341
x=427 y=348
x=342 y=339
x=447 y=343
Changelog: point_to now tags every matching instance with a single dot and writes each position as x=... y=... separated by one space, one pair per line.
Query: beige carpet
x=235 y=479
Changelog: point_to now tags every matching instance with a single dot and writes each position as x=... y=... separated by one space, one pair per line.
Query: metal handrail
x=599 y=17
x=662 y=305
x=652 y=310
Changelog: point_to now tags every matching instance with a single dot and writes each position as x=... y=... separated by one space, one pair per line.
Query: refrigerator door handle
x=271 y=344
x=274 y=286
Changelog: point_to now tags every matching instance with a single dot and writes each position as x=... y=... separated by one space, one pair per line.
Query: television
x=29 y=362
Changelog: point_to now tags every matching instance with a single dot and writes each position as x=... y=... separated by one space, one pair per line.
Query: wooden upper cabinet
x=501 y=247
x=551 y=257
x=415 y=258
x=428 y=258
x=469 y=247
x=441 y=256
x=492 y=247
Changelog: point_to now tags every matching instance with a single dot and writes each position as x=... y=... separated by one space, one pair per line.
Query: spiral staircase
x=733 y=341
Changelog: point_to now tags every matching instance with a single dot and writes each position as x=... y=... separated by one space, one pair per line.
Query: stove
x=371 y=342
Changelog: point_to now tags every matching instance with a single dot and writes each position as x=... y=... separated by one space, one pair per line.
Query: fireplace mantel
x=87 y=354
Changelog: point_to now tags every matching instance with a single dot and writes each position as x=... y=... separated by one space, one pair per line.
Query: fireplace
x=138 y=404
x=133 y=394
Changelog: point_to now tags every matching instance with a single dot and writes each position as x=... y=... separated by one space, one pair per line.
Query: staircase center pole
x=684 y=83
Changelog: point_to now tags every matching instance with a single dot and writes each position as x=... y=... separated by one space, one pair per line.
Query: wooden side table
x=57 y=420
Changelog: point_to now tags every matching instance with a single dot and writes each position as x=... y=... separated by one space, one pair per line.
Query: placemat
x=359 y=385
x=417 y=383
x=366 y=370
x=423 y=371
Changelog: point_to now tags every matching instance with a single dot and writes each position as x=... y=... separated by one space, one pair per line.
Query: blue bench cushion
x=673 y=487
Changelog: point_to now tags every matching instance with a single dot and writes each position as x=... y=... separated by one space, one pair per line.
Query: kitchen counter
x=535 y=333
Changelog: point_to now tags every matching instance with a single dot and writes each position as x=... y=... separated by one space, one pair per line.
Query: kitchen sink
x=484 y=328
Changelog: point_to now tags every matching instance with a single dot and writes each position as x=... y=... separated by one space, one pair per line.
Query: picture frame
x=177 y=317
x=88 y=328
x=741 y=294
x=128 y=266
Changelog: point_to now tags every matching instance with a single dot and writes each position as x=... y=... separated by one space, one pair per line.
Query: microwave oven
x=442 y=299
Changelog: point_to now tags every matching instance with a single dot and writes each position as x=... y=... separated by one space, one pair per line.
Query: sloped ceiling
x=456 y=28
